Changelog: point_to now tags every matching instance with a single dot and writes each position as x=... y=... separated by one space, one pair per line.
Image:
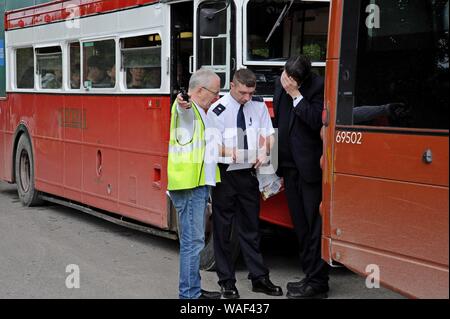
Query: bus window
x=396 y=72
x=25 y=68
x=98 y=58
x=141 y=61
x=49 y=67
x=74 y=62
x=277 y=30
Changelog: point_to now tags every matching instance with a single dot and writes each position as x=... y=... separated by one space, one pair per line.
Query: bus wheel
x=207 y=259
x=24 y=173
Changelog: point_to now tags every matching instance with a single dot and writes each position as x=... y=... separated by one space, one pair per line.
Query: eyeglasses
x=212 y=92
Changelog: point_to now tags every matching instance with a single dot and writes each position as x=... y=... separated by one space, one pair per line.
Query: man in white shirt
x=246 y=129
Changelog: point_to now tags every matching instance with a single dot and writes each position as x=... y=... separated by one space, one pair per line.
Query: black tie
x=243 y=127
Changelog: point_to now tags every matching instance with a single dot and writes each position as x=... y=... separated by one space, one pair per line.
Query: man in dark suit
x=298 y=103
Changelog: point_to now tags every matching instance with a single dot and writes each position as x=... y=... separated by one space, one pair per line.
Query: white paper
x=244 y=160
x=239 y=166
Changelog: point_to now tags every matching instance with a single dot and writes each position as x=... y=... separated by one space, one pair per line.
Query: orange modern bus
x=385 y=201
x=76 y=128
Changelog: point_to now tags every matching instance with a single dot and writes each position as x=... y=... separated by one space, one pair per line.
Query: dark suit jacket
x=304 y=127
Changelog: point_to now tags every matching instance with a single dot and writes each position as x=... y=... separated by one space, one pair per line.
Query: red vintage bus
x=77 y=130
x=84 y=121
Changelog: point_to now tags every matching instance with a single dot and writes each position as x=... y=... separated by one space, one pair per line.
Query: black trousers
x=237 y=197
x=304 y=201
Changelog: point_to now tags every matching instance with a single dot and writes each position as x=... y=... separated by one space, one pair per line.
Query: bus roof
x=60 y=10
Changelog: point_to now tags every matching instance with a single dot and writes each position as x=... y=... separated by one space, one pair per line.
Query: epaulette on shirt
x=219 y=109
x=257 y=99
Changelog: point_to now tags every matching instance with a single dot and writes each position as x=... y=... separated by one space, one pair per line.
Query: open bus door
x=181 y=30
x=202 y=39
x=214 y=48
x=386 y=199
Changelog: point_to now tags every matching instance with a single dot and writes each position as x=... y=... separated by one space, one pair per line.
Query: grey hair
x=202 y=77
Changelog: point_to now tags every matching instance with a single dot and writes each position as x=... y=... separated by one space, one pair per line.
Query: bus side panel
x=411 y=278
x=275 y=210
x=48 y=140
x=141 y=195
x=144 y=126
x=74 y=122
x=408 y=220
x=100 y=152
x=21 y=111
x=2 y=140
x=8 y=139
x=393 y=156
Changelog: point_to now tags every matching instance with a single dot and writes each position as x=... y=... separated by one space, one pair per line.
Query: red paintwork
x=61 y=10
x=130 y=132
x=131 y=136
x=2 y=140
x=275 y=210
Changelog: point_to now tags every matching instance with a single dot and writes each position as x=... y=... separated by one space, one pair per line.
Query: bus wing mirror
x=212 y=21
x=209 y=22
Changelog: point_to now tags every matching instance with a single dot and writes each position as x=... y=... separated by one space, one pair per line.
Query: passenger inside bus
x=52 y=79
x=111 y=72
x=75 y=76
x=154 y=77
x=136 y=78
x=96 y=73
x=143 y=78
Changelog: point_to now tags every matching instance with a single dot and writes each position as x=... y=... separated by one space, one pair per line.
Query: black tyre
x=24 y=173
x=207 y=258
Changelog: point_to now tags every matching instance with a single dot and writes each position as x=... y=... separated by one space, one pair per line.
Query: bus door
x=181 y=16
x=214 y=23
x=389 y=201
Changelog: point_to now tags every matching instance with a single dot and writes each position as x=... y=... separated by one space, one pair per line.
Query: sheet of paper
x=239 y=166
x=244 y=160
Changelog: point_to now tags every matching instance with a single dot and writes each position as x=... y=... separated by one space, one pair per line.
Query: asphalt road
x=38 y=244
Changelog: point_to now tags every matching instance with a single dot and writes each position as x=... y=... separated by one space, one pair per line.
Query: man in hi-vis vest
x=192 y=171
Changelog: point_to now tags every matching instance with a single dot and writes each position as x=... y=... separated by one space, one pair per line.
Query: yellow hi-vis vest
x=185 y=167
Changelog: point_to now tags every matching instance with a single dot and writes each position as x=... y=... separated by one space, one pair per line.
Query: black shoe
x=307 y=292
x=296 y=284
x=209 y=295
x=264 y=285
x=229 y=291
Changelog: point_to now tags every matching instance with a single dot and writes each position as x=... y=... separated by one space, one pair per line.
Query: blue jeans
x=190 y=205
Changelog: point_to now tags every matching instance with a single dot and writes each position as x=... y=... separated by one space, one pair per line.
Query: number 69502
x=349 y=138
